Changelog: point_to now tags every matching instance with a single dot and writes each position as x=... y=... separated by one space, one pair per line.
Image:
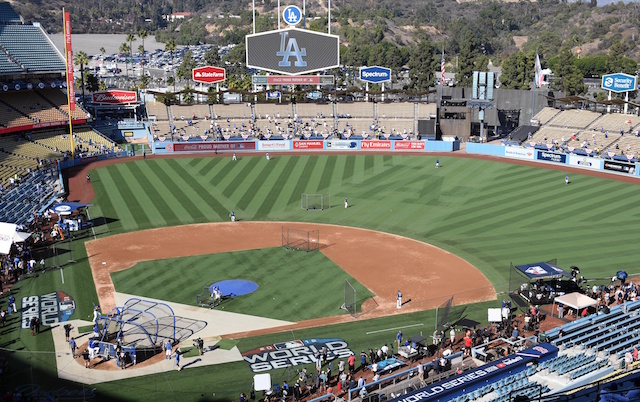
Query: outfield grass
x=490 y=213
x=486 y=212
x=292 y=286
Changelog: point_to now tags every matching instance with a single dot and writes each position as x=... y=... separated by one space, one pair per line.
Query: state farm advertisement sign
x=115 y=97
x=379 y=144
x=209 y=74
x=311 y=144
x=408 y=145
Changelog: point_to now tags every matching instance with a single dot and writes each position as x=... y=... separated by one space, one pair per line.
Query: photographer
x=199 y=343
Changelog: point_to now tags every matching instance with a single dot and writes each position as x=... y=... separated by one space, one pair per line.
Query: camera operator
x=199 y=343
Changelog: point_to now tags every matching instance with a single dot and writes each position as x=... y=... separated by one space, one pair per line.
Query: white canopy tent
x=575 y=300
x=8 y=235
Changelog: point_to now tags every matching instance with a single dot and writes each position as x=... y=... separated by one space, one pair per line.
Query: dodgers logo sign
x=619 y=82
x=375 y=74
x=292 y=51
x=292 y=15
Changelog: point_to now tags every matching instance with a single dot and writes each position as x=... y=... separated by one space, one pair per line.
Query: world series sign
x=50 y=309
x=292 y=51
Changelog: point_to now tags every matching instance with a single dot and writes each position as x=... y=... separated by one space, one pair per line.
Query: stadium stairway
x=521 y=134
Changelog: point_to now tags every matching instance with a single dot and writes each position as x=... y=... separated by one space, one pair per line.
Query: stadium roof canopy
x=542 y=270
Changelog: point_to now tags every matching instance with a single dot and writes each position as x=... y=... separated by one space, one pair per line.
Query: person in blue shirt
x=566 y=180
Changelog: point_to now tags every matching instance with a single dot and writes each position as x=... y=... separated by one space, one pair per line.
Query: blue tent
x=542 y=270
x=66 y=208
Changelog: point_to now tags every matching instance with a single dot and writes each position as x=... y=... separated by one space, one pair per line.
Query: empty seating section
x=546 y=114
x=614 y=122
x=574 y=118
x=86 y=141
x=262 y=111
x=313 y=110
x=35 y=107
x=403 y=110
x=427 y=110
x=25 y=108
x=355 y=110
x=58 y=99
x=10 y=117
x=28 y=45
x=200 y=111
x=19 y=203
x=8 y=14
x=7 y=65
x=626 y=144
x=549 y=135
x=157 y=109
x=231 y=111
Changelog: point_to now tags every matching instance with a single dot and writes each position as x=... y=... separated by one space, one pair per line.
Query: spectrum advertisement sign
x=552 y=157
x=375 y=74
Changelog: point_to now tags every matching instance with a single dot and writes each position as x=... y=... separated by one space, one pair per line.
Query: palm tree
x=102 y=52
x=130 y=39
x=171 y=47
x=142 y=35
x=124 y=48
x=82 y=59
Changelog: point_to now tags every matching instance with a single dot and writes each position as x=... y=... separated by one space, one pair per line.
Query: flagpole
x=67 y=50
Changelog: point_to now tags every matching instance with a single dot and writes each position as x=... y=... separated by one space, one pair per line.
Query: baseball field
x=405 y=218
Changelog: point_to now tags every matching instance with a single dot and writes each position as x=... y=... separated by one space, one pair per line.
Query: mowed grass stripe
x=138 y=211
x=102 y=202
x=140 y=189
x=163 y=172
x=303 y=179
x=349 y=167
x=164 y=197
x=327 y=173
x=209 y=166
x=151 y=194
x=277 y=187
x=211 y=205
x=257 y=183
x=120 y=205
x=231 y=184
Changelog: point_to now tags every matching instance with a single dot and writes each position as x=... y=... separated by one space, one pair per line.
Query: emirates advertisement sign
x=115 y=97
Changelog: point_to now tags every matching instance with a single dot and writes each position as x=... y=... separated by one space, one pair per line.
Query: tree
x=142 y=34
x=517 y=71
x=568 y=77
x=212 y=57
x=81 y=59
x=130 y=39
x=187 y=65
x=124 y=48
x=170 y=47
x=102 y=52
x=91 y=81
x=422 y=63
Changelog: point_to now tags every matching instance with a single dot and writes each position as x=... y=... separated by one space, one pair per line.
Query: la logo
x=290 y=48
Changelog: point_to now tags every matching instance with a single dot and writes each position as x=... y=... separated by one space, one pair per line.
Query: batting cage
x=315 y=202
x=299 y=239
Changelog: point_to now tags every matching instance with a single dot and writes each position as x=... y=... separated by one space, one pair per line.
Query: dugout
x=540 y=282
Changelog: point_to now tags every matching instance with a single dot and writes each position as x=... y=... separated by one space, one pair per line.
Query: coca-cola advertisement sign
x=115 y=97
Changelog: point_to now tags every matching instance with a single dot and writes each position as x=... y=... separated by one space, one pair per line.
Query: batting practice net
x=349 y=298
x=315 y=202
x=442 y=314
x=298 y=239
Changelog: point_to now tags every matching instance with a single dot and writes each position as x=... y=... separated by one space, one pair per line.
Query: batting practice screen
x=315 y=202
x=298 y=239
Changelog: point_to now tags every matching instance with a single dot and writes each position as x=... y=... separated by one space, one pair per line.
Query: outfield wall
x=166 y=147
x=542 y=156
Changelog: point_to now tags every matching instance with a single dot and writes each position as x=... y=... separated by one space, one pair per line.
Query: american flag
x=442 y=68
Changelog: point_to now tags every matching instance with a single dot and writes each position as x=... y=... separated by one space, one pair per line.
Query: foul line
x=392 y=329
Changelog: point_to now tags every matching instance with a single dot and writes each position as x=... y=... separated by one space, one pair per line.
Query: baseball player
x=268 y=156
x=566 y=180
x=399 y=300
x=232 y=216
x=437 y=163
x=346 y=203
x=233 y=158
